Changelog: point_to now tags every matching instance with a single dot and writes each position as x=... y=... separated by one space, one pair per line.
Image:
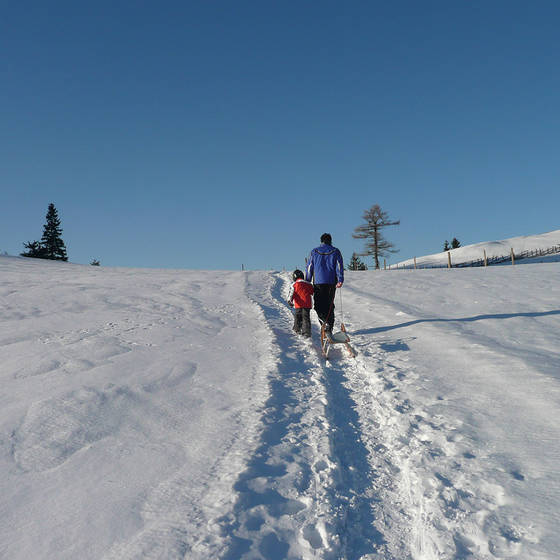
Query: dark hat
x=297 y=274
x=326 y=238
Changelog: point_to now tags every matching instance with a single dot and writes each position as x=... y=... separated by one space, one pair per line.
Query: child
x=300 y=298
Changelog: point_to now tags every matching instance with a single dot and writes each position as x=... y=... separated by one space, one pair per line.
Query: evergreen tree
x=95 y=262
x=51 y=241
x=34 y=250
x=455 y=243
x=376 y=245
x=51 y=245
x=356 y=263
x=446 y=246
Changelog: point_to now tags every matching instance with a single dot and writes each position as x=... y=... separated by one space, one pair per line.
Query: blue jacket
x=325 y=265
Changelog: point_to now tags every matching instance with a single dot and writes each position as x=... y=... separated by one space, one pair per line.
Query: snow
x=500 y=248
x=173 y=414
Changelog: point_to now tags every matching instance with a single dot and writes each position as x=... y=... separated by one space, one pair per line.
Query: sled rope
x=341 y=313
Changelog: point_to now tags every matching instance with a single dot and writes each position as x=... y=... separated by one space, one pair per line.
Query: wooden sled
x=328 y=339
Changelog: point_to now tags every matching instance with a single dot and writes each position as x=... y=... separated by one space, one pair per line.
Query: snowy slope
x=500 y=248
x=173 y=414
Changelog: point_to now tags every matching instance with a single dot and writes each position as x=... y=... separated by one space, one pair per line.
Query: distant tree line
x=455 y=244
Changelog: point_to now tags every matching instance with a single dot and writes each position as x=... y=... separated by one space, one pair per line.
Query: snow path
x=306 y=491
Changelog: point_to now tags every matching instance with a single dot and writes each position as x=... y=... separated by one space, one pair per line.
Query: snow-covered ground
x=500 y=248
x=173 y=414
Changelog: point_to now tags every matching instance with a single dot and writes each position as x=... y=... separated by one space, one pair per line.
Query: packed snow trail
x=305 y=493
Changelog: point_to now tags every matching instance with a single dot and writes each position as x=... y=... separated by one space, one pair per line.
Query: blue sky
x=209 y=135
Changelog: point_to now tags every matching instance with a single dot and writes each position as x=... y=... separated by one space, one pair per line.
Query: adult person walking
x=325 y=268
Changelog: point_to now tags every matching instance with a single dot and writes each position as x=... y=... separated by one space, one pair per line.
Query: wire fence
x=486 y=261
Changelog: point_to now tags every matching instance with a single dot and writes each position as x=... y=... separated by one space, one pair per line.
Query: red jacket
x=300 y=294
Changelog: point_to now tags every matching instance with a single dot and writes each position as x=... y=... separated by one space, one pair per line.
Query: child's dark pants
x=302 y=322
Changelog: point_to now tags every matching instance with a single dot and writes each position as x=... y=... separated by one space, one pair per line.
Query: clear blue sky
x=214 y=134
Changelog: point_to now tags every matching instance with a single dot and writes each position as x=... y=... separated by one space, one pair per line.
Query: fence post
x=448 y=259
x=384 y=264
x=512 y=257
x=414 y=263
x=485 y=259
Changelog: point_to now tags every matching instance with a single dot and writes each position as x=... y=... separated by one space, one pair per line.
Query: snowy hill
x=520 y=245
x=173 y=414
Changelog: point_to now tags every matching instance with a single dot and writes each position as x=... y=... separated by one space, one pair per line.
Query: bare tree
x=376 y=244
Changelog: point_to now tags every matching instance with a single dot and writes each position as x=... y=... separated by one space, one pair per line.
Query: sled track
x=307 y=490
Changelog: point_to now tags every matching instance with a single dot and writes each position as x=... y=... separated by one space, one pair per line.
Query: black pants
x=323 y=296
x=302 y=321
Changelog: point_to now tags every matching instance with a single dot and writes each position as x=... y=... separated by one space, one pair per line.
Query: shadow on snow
x=463 y=320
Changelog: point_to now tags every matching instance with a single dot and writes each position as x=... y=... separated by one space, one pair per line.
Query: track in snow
x=307 y=490
x=352 y=464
